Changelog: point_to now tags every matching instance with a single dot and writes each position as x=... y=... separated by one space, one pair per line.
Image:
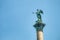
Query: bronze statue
x=38 y=13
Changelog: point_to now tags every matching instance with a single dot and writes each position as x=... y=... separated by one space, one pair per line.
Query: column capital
x=39 y=26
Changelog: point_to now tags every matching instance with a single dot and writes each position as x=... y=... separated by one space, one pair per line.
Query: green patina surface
x=38 y=13
x=39 y=25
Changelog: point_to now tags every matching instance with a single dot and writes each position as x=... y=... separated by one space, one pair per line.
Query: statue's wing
x=41 y=11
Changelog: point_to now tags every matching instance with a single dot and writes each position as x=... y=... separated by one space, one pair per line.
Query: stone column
x=39 y=29
x=39 y=35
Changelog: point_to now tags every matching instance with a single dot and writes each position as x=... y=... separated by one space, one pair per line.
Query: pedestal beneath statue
x=39 y=26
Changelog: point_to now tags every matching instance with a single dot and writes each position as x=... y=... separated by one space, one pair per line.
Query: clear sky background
x=17 y=20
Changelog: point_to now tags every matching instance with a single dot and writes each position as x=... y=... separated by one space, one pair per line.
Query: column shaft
x=39 y=35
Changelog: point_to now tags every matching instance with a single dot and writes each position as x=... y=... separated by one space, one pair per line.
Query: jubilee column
x=39 y=25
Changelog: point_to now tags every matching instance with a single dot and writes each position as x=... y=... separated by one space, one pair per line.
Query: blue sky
x=17 y=20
